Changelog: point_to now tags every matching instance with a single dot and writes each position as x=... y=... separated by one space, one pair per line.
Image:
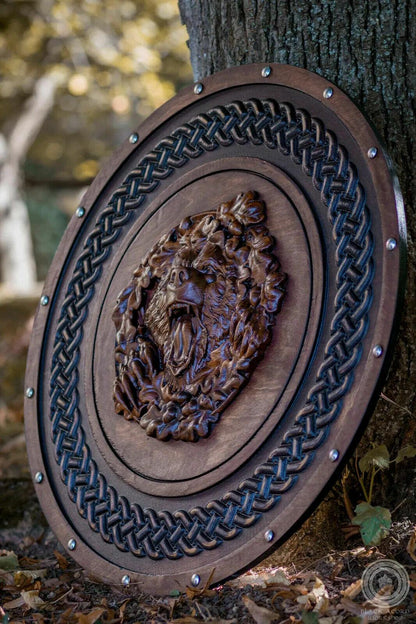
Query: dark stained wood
x=196 y=318
x=160 y=510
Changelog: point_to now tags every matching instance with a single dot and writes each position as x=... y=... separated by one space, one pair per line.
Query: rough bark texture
x=368 y=49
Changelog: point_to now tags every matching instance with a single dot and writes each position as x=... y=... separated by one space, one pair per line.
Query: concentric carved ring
x=177 y=368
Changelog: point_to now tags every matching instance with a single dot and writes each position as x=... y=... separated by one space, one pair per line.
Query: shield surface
x=214 y=329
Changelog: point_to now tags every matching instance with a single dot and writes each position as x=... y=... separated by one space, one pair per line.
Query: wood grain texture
x=368 y=50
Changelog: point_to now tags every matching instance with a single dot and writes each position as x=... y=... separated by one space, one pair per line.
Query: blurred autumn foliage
x=76 y=77
x=114 y=63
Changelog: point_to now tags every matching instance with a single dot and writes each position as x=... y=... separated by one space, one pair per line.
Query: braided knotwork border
x=158 y=534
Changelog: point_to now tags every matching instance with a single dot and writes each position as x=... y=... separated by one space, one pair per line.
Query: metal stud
x=333 y=455
x=266 y=71
x=133 y=138
x=72 y=544
x=30 y=393
x=39 y=477
x=80 y=212
x=195 y=580
x=44 y=300
x=328 y=93
x=378 y=351
x=391 y=244
x=198 y=88
x=372 y=152
x=269 y=536
x=125 y=580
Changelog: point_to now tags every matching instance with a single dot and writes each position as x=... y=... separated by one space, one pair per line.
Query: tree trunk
x=368 y=49
x=18 y=270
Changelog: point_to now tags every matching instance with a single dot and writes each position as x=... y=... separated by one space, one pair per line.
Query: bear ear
x=249 y=210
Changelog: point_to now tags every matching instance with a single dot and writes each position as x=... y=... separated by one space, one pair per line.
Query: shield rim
x=388 y=196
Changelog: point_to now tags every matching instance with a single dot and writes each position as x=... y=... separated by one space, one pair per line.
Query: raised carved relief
x=196 y=319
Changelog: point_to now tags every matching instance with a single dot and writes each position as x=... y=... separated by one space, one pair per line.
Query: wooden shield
x=214 y=329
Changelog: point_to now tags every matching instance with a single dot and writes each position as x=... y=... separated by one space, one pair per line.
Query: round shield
x=214 y=328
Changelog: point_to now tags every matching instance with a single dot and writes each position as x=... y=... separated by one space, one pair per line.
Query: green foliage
x=48 y=223
x=310 y=617
x=378 y=457
x=8 y=561
x=405 y=453
x=374 y=523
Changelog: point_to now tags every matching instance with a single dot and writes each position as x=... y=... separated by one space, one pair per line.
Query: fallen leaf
x=32 y=598
x=352 y=590
x=25 y=577
x=352 y=607
x=122 y=609
x=15 y=604
x=261 y=615
x=62 y=561
x=309 y=617
x=194 y=592
x=188 y=619
x=317 y=596
x=91 y=617
x=411 y=546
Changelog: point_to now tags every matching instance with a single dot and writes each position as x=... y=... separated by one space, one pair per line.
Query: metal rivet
x=391 y=244
x=44 y=300
x=378 y=351
x=30 y=393
x=198 y=88
x=269 y=536
x=328 y=93
x=80 y=211
x=133 y=138
x=38 y=477
x=72 y=544
x=266 y=71
x=372 y=152
x=333 y=455
x=125 y=580
x=195 y=580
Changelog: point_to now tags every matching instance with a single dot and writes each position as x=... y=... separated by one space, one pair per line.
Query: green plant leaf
x=405 y=453
x=8 y=560
x=374 y=523
x=378 y=456
x=310 y=617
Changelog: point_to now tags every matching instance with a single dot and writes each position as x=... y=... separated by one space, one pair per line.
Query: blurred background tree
x=76 y=77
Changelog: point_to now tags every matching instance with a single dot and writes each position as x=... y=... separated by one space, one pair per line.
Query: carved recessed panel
x=201 y=288
x=196 y=319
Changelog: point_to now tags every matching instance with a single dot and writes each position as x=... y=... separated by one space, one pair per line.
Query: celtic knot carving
x=195 y=320
x=157 y=534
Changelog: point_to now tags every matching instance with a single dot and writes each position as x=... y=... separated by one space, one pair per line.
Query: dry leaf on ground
x=91 y=617
x=352 y=590
x=261 y=615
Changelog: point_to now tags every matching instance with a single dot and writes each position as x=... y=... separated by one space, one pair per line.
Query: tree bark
x=368 y=49
x=18 y=270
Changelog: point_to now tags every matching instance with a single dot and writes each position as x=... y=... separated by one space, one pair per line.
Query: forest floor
x=40 y=583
